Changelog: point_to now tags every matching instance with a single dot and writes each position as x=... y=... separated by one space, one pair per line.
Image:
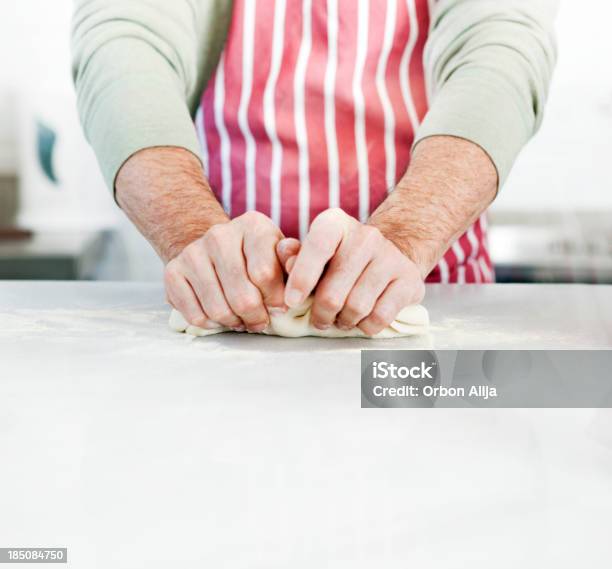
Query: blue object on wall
x=45 y=141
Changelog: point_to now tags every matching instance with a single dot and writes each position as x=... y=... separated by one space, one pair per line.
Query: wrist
x=164 y=192
x=449 y=183
x=422 y=254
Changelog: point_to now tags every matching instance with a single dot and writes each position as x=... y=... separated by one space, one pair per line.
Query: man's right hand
x=231 y=275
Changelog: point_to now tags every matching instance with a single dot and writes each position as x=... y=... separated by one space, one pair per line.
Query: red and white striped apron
x=314 y=104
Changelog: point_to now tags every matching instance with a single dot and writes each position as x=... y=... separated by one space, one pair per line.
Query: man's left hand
x=361 y=278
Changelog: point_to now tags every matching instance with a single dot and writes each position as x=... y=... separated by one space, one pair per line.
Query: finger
x=364 y=295
x=242 y=295
x=183 y=298
x=326 y=234
x=345 y=268
x=286 y=250
x=203 y=279
x=290 y=264
x=264 y=268
x=395 y=297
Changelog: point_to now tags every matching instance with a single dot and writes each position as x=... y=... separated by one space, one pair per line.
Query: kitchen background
x=551 y=222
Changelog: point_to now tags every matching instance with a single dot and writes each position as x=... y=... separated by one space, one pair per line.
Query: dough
x=295 y=323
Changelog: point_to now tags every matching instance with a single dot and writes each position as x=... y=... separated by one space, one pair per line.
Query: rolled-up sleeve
x=137 y=69
x=488 y=68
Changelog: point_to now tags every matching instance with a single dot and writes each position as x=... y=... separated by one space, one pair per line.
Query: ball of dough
x=295 y=323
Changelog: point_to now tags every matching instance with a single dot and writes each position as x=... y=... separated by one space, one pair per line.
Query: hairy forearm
x=165 y=194
x=449 y=183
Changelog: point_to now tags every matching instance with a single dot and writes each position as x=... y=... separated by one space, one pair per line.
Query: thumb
x=286 y=250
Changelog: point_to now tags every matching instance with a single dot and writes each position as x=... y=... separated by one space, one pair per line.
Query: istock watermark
x=383 y=370
x=398 y=378
x=486 y=378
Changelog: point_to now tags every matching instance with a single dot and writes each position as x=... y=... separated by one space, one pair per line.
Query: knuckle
x=368 y=327
x=246 y=304
x=263 y=274
x=329 y=302
x=332 y=215
x=335 y=213
x=358 y=307
x=252 y=217
x=371 y=235
x=216 y=236
x=192 y=254
x=222 y=315
x=371 y=330
x=379 y=319
x=248 y=216
x=329 y=215
x=413 y=290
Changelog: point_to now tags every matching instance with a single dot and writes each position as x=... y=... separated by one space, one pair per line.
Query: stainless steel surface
x=136 y=447
x=552 y=247
x=52 y=255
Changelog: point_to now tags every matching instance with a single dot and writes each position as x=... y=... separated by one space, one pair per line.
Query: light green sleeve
x=139 y=67
x=489 y=65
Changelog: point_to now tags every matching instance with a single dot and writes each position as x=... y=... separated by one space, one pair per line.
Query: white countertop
x=119 y=319
x=136 y=447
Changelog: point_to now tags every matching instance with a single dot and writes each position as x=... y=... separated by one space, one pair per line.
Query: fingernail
x=276 y=310
x=211 y=325
x=258 y=328
x=293 y=297
x=321 y=326
x=343 y=327
x=239 y=329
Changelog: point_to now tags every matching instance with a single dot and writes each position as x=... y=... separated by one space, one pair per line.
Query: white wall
x=567 y=166
x=34 y=50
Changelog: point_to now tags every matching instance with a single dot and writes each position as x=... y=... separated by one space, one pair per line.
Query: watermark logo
x=384 y=370
x=398 y=378
x=486 y=378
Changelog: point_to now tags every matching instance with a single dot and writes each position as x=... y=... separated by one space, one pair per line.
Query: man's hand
x=366 y=283
x=217 y=270
x=230 y=276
